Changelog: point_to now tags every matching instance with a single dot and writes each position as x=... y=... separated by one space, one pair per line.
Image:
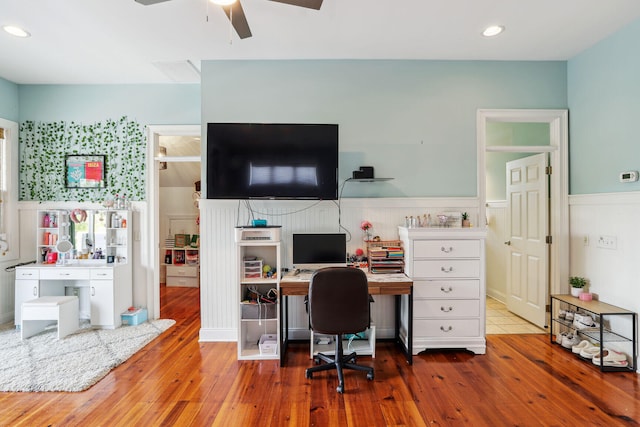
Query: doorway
x=187 y=165
x=554 y=123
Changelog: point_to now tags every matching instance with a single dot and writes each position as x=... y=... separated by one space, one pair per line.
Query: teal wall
x=604 y=104
x=147 y=104
x=8 y=100
x=414 y=121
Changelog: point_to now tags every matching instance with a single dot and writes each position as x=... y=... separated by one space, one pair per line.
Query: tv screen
x=312 y=251
x=272 y=161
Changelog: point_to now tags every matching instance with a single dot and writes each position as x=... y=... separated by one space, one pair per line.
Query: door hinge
x=547 y=308
x=548 y=170
x=548 y=240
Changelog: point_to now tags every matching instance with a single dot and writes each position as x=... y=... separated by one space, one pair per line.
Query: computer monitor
x=312 y=251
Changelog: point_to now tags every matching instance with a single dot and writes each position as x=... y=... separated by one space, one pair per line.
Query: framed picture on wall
x=85 y=171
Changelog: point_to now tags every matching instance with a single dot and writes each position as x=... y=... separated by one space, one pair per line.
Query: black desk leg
x=284 y=323
x=408 y=350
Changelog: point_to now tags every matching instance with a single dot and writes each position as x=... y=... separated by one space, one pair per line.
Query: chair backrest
x=339 y=301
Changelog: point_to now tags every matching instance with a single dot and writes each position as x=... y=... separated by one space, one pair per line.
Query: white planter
x=576 y=291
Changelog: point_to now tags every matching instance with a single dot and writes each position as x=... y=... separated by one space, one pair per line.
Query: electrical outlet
x=608 y=242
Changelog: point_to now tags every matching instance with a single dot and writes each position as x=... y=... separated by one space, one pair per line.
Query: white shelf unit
x=362 y=347
x=53 y=225
x=182 y=266
x=258 y=321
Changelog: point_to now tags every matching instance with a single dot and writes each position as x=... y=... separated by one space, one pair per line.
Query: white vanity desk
x=103 y=285
x=104 y=291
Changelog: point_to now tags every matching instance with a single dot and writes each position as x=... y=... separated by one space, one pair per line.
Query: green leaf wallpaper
x=43 y=147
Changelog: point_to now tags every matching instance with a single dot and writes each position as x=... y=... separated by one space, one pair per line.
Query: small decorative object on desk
x=465 y=220
x=366 y=226
x=577 y=284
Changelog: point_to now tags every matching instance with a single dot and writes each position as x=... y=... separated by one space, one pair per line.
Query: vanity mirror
x=83 y=236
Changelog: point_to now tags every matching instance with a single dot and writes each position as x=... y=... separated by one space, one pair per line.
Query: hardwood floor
x=177 y=381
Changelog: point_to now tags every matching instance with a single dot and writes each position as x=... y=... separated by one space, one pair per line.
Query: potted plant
x=465 y=220
x=577 y=283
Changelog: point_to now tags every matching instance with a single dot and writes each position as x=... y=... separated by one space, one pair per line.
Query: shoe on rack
x=589 y=352
x=570 y=340
x=583 y=321
x=569 y=315
x=560 y=336
x=562 y=314
x=581 y=346
x=611 y=358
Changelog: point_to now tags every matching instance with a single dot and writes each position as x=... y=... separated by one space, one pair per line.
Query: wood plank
x=176 y=380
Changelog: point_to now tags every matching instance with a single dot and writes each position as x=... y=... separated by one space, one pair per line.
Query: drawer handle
x=35 y=291
x=445 y=250
x=101 y=274
x=448 y=329
x=446 y=291
x=27 y=274
x=446 y=270
x=93 y=291
x=446 y=310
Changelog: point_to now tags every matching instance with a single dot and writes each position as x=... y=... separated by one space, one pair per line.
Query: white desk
x=104 y=290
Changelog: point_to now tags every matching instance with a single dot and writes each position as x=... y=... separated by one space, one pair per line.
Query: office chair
x=338 y=304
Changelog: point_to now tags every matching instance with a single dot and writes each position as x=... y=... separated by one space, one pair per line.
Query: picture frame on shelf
x=85 y=171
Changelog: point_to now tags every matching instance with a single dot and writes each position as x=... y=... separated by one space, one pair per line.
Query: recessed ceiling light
x=223 y=2
x=16 y=31
x=493 y=30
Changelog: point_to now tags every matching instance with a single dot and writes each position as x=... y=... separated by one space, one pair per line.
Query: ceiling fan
x=235 y=13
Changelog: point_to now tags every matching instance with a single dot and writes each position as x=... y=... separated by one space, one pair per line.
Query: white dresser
x=447 y=266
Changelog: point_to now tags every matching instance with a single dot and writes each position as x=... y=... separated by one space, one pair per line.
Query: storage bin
x=268 y=344
x=258 y=311
x=135 y=317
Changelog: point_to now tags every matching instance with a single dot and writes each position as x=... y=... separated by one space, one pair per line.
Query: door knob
x=508 y=243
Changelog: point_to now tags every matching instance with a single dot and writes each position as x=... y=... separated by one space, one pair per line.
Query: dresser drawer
x=446 y=308
x=182 y=271
x=102 y=274
x=446 y=289
x=446 y=268
x=189 y=282
x=446 y=249
x=62 y=273
x=27 y=273
x=440 y=328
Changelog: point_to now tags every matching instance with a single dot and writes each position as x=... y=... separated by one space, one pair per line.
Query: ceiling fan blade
x=309 y=4
x=149 y=2
x=238 y=20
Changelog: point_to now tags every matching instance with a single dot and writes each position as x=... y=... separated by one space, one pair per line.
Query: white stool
x=38 y=313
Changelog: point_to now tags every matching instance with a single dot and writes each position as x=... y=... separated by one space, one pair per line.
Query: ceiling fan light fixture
x=223 y=2
x=493 y=30
x=16 y=31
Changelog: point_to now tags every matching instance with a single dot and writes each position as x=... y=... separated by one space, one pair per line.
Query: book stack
x=386 y=259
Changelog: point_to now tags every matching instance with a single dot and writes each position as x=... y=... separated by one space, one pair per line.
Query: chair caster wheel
x=340 y=389
x=308 y=375
x=370 y=376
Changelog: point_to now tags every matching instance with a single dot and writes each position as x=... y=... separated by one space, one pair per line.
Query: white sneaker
x=570 y=340
x=584 y=344
x=569 y=315
x=582 y=321
x=589 y=352
x=560 y=337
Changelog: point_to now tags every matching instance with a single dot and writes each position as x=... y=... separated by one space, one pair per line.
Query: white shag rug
x=74 y=363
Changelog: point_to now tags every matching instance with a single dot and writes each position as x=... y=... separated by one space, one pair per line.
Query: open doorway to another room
x=178 y=213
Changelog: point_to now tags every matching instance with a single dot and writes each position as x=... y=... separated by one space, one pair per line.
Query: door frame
x=558 y=121
x=153 y=215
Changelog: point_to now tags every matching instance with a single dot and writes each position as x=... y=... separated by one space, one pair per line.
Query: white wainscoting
x=219 y=267
x=614 y=274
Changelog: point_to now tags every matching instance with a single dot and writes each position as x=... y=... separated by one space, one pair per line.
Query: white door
x=527 y=227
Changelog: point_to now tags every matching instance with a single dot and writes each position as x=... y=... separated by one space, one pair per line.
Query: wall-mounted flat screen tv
x=272 y=161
